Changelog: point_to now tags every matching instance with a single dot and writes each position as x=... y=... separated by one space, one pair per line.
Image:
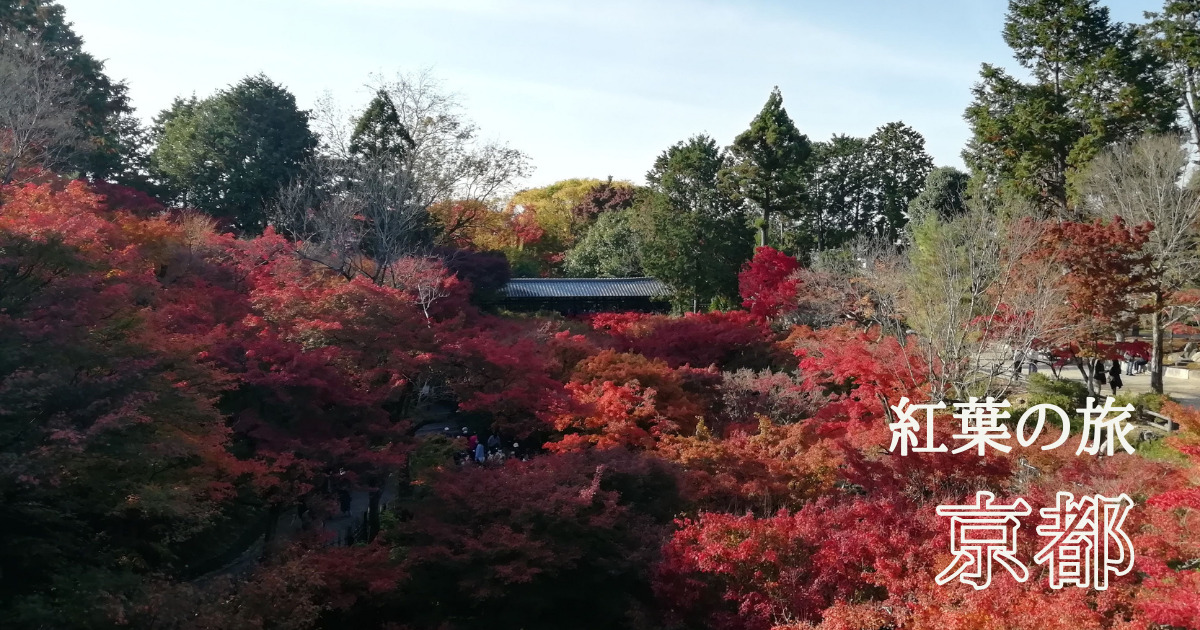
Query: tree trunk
x=373 y=513
x=1156 y=352
x=765 y=228
x=271 y=526
x=1087 y=377
x=1193 y=112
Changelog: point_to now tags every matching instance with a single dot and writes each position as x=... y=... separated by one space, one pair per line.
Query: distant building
x=573 y=296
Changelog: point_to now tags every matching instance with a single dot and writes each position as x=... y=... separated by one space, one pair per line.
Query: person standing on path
x=1098 y=374
x=1114 y=377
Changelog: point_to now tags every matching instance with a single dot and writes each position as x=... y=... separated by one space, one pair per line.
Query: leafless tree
x=448 y=155
x=356 y=217
x=424 y=277
x=37 y=106
x=975 y=303
x=363 y=215
x=882 y=268
x=334 y=126
x=1144 y=181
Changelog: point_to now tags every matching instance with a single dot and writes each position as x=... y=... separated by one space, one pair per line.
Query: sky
x=585 y=88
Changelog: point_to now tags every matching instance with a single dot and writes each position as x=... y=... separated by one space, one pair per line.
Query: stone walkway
x=1185 y=391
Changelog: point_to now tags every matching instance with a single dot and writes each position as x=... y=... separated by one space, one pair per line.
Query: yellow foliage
x=553 y=205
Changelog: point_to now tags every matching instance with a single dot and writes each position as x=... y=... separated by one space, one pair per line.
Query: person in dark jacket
x=1114 y=377
x=1098 y=374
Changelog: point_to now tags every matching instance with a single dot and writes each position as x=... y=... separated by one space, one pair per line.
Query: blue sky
x=587 y=89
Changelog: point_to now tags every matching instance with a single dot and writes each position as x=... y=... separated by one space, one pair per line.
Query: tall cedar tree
x=841 y=191
x=899 y=164
x=862 y=186
x=1174 y=34
x=692 y=236
x=230 y=154
x=1091 y=86
x=378 y=133
x=771 y=165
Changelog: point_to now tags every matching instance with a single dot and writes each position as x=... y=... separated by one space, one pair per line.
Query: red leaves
x=558 y=537
x=138 y=355
x=605 y=197
x=100 y=420
x=854 y=369
x=776 y=467
x=525 y=227
x=723 y=571
x=505 y=373
x=626 y=400
x=728 y=340
x=1105 y=271
x=767 y=283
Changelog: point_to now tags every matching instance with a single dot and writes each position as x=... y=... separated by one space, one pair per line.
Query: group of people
x=487 y=451
x=1102 y=372
x=1133 y=365
x=1114 y=375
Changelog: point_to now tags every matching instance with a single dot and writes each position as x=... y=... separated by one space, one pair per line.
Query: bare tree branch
x=37 y=107
x=1143 y=181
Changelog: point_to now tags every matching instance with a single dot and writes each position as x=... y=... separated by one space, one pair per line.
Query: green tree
x=1174 y=34
x=944 y=196
x=378 y=132
x=1091 y=86
x=230 y=154
x=608 y=249
x=691 y=234
x=898 y=166
x=862 y=186
x=840 y=191
x=771 y=165
x=104 y=117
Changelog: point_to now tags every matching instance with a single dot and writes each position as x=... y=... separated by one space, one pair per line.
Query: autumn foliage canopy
x=182 y=413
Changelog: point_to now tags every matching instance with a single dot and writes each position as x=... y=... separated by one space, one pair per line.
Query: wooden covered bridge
x=574 y=296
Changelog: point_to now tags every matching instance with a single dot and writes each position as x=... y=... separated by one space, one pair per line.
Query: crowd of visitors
x=491 y=451
x=1104 y=372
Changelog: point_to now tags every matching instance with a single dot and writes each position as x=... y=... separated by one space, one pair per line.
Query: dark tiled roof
x=585 y=288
